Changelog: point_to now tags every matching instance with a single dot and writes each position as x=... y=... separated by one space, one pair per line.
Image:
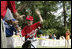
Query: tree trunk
x=45 y=11
x=64 y=12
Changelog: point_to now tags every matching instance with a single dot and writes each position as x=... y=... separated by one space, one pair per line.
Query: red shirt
x=5 y=5
x=30 y=31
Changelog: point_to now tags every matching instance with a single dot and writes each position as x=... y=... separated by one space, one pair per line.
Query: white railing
x=18 y=41
x=53 y=43
x=42 y=42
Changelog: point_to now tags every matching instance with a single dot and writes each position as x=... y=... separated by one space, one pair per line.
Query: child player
x=29 y=31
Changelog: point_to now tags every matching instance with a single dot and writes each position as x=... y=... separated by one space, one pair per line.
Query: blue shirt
x=9 y=29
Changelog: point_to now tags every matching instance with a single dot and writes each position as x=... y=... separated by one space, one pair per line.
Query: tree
x=64 y=12
x=51 y=23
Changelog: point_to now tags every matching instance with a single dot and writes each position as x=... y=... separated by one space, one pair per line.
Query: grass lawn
x=52 y=47
x=46 y=47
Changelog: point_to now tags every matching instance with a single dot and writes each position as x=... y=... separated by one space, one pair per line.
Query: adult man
x=9 y=30
x=5 y=15
x=12 y=7
x=30 y=30
x=8 y=18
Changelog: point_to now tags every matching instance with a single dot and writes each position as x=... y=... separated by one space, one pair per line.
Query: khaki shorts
x=10 y=42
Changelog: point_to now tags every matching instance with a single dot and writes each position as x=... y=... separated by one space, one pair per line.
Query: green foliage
x=51 y=24
x=50 y=31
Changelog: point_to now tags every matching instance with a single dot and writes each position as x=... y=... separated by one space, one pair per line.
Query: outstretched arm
x=18 y=16
x=38 y=12
x=12 y=7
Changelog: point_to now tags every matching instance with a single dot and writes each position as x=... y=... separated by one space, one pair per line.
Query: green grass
x=18 y=47
x=52 y=47
x=46 y=47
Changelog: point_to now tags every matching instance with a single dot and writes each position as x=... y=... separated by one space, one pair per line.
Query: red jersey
x=30 y=31
x=5 y=5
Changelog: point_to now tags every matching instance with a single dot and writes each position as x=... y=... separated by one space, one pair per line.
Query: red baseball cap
x=29 y=18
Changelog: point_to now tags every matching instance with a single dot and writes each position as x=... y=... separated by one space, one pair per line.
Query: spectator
x=12 y=7
x=62 y=37
x=44 y=36
x=41 y=36
x=9 y=19
x=50 y=36
x=54 y=36
x=9 y=29
x=47 y=36
x=67 y=38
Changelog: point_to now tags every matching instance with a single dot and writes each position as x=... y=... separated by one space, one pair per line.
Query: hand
x=18 y=16
x=15 y=22
x=21 y=17
x=19 y=28
x=37 y=11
